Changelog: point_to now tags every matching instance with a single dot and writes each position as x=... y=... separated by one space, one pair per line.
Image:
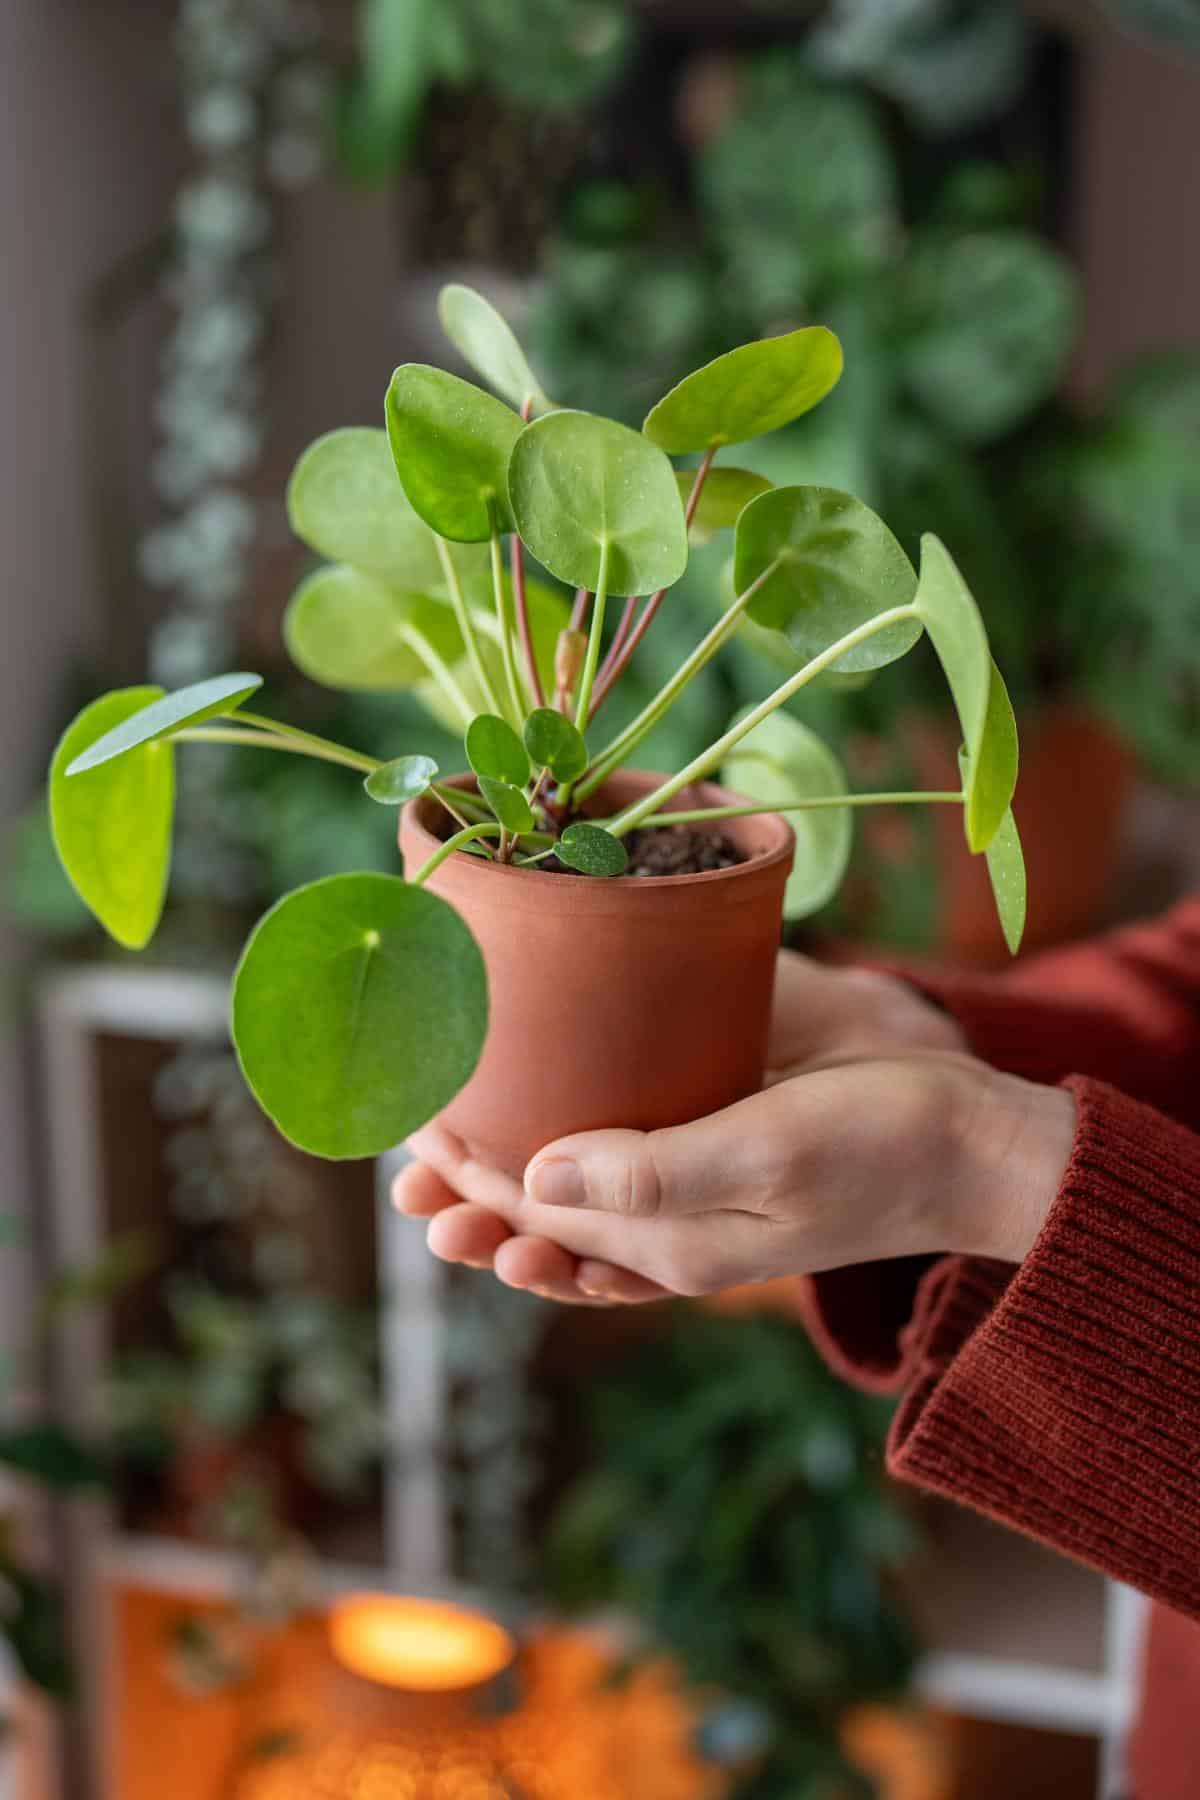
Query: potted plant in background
x=361 y=1003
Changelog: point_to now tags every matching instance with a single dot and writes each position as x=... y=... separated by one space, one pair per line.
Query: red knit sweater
x=1063 y=1397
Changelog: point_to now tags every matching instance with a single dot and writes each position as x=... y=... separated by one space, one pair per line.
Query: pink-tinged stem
x=611 y=675
x=521 y=605
x=579 y=611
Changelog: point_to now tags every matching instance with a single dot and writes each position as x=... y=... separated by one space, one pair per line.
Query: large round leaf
x=112 y=824
x=946 y=608
x=345 y=501
x=486 y=340
x=166 y=715
x=451 y=443
x=747 y=392
x=724 y=494
x=782 y=761
x=838 y=566
x=578 y=483
x=359 y=1010
x=347 y=630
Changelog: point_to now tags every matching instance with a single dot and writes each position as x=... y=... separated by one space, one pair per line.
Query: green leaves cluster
x=360 y=1003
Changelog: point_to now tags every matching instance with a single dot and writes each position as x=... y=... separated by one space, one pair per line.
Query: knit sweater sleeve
x=1063 y=1397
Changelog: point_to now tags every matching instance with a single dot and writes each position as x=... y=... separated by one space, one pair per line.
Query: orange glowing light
x=420 y=1646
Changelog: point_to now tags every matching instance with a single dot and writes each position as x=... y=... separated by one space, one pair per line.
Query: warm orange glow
x=421 y=1646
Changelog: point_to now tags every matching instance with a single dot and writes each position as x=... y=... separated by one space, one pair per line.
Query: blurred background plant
x=723 y=1469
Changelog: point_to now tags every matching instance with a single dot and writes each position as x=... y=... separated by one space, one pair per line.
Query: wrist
x=1013 y=1146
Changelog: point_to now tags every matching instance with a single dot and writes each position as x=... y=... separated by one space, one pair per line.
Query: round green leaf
x=495 y=750
x=722 y=498
x=348 y=630
x=948 y=611
x=394 y=783
x=346 y=502
x=165 y=716
x=508 y=803
x=1006 y=870
x=359 y=1011
x=782 y=761
x=554 y=743
x=838 y=567
x=112 y=824
x=578 y=482
x=451 y=443
x=591 y=850
x=486 y=340
x=747 y=392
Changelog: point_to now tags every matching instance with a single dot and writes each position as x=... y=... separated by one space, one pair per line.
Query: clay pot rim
x=754 y=864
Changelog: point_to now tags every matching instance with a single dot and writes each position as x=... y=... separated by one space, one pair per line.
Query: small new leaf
x=486 y=340
x=591 y=850
x=494 y=750
x=397 y=782
x=163 y=718
x=554 y=743
x=508 y=803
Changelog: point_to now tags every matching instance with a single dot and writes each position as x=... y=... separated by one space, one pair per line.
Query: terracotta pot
x=639 y=1001
x=1075 y=779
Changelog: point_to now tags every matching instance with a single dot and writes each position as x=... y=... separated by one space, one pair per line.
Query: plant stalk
x=591 y=661
x=707 y=761
x=270 y=734
x=466 y=625
x=524 y=629
x=505 y=624
x=460 y=839
x=702 y=815
x=440 y=671
x=628 y=739
x=638 y=632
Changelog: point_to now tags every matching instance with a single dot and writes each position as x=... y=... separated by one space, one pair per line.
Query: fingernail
x=557 y=1182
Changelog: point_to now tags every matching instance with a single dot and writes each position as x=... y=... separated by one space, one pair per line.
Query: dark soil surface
x=680 y=850
x=667 y=850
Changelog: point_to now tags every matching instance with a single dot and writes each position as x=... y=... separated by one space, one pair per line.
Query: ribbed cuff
x=1064 y=1399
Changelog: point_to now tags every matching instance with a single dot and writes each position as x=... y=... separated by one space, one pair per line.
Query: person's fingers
x=732 y=1159
x=464 y=1233
x=604 y=1281
x=419 y=1192
x=470 y=1179
x=544 y=1268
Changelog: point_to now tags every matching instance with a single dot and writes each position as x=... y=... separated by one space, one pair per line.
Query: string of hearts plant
x=361 y=1002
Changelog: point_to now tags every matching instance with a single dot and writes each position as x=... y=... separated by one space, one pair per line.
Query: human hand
x=877 y=1135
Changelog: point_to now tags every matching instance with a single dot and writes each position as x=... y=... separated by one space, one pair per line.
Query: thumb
x=659 y=1174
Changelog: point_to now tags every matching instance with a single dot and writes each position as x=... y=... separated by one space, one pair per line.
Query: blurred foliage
x=546 y=53
x=733 y=1505
x=239 y=1362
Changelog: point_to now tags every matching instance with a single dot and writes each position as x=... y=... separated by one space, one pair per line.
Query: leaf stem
x=486 y=829
x=441 y=672
x=466 y=625
x=707 y=761
x=521 y=603
x=273 y=734
x=591 y=661
x=621 y=662
x=654 y=709
x=506 y=630
x=701 y=815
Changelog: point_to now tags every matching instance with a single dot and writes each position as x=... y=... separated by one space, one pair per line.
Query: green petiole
x=466 y=626
x=702 y=815
x=708 y=760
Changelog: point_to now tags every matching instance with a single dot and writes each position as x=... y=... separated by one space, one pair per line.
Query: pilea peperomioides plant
x=361 y=1002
